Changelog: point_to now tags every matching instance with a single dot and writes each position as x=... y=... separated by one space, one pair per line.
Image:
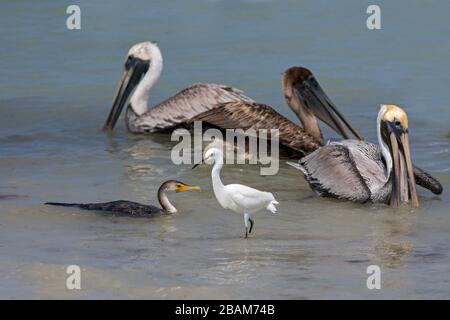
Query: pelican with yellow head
x=394 y=142
x=361 y=171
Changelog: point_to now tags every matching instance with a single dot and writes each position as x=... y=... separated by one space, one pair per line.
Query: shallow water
x=57 y=85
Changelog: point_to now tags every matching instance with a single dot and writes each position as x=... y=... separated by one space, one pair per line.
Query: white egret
x=237 y=197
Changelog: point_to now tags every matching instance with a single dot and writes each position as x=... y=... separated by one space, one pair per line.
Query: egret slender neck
x=215 y=173
x=139 y=100
x=164 y=201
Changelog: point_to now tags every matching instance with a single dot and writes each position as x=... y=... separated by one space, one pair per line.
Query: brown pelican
x=307 y=100
x=361 y=171
x=222 y=106
x=133 y=208
x=143 y=67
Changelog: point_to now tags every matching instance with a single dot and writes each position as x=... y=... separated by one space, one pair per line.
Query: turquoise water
x=56 y=87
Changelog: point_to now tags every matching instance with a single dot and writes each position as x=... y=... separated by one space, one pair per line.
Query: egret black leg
x=251 y=225
x=246 y=220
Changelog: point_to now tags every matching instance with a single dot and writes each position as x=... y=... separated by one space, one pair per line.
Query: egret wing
x=249 y=198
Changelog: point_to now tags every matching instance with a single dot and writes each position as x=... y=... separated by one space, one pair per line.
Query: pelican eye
x=128 y=62
x=313 y=81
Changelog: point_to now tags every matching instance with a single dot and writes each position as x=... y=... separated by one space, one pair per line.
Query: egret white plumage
x=237 y=197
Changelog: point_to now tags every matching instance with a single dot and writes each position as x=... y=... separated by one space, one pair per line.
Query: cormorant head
x=178 y=186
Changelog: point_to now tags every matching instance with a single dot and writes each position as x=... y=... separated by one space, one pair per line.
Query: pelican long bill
x=324 y=109
x=135 y=68
x=404 y=184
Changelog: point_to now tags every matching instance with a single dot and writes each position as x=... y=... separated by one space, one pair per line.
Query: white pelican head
x=142 y=69
x=394 y=142
x=143 y=50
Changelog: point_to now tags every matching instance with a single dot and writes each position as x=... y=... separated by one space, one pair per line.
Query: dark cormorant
x=133 y=208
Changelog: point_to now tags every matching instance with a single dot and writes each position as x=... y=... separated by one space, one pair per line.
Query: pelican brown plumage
x=221 y=106
x=143 y=67
x=307 y=100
